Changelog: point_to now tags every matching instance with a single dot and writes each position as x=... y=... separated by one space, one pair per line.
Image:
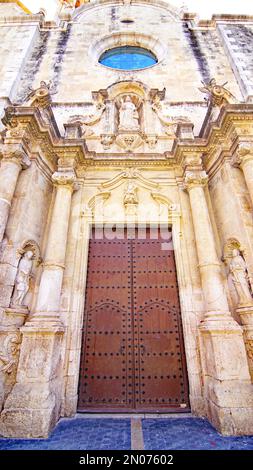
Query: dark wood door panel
x=104 y=382
x=161 y=382
x=133 y=354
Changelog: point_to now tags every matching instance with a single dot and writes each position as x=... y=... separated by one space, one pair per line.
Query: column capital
x=195 y=179
x=18 y=157
x=243 y=154
x=192 y=160
x=65 y=178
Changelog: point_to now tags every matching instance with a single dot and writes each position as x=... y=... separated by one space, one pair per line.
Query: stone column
x=209 y=265
x=33 y=407
x=227 y=387
x=243 y=159
x=11 y=165
x=48 y=301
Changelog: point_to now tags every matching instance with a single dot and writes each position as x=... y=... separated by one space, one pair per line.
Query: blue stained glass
x=128 y=58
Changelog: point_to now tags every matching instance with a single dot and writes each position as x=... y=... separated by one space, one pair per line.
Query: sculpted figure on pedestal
x=128 y=115
x=238 y=270
x=23 y=278
x=131 y=194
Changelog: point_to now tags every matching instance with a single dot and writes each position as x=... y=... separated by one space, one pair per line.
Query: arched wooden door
x=132 y=352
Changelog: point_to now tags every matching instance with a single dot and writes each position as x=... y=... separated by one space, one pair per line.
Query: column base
x=227 y=386
x=216 y=320
x=230 y=408
x=32 y=409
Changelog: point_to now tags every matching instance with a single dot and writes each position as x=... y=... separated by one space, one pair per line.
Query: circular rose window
x=128 y=58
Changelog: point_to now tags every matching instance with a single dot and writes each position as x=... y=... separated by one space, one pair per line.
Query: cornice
x=45 y=133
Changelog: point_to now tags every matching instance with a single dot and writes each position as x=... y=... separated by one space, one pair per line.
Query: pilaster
x=243 y=159
x=227 y=386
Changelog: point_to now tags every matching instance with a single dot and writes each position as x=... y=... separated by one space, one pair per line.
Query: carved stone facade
x=84 y=144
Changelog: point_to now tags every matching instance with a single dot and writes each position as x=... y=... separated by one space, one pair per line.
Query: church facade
x=126 y=221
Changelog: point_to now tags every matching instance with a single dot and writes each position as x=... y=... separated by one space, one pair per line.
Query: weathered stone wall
x=238 y=40
x=16 y=43
x=66 y=131
x=69 y=59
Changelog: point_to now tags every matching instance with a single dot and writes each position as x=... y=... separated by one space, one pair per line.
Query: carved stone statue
x=131 y=194
x=23 y=278
x=238 y=270
x=40 y=96
x=128 y=115
x=217 y=94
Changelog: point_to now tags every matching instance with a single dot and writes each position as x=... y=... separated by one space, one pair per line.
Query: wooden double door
x=132 y=349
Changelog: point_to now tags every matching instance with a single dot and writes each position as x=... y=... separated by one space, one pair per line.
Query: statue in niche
x=128 y=115
x=23 y=278
x=238 y=270
x=131 y=194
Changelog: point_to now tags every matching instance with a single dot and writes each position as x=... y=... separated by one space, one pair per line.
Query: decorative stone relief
x=63 y=177
x=40 y=96
x=107 y=141
x=131 y=198
x=152 y=141
x=9 y=353
x=193 y=179
x=88 y=120
x=129 y=174
x=18 y=157
x=169 y=122
x=128 y=141
x=163 y=112
x=9 y=120
x=245 y=149
x=217 y=95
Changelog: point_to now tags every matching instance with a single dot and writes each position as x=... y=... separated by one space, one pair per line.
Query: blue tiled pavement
x=80 y=434
x=189 y=434
x=115 y=433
